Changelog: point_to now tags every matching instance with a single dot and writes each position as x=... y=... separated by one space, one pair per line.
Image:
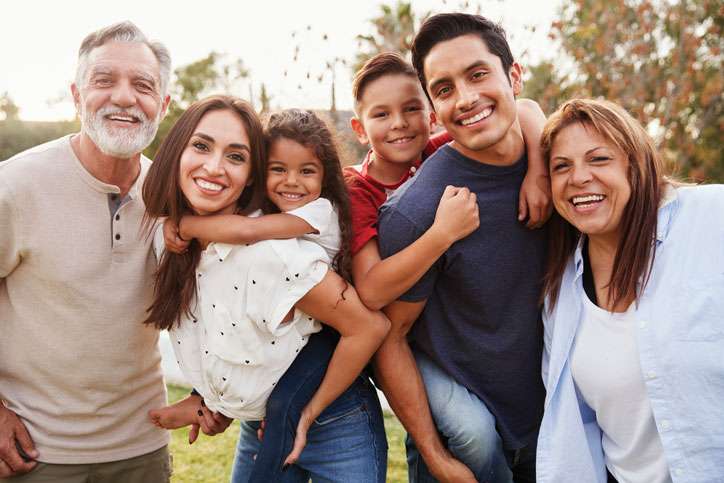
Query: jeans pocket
x=348 y=403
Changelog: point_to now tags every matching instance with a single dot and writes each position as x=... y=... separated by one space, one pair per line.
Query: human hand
x=457 y=213
x=446 y=468
x=260 y=431
x=300 y=440
x=534 y=201
x=172 y=238
x=211 y=423
x=14 y=441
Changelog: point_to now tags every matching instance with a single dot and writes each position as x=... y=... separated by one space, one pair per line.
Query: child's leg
x=290 y=396
x=347 y=442
x=178 y=415
x=465 y=424
x=246 y=450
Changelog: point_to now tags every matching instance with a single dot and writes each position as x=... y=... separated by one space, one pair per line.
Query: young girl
x=237 y=314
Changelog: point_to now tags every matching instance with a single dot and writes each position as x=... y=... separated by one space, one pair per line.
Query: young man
x=472 y=321
x=78 y=370
x=393 y=117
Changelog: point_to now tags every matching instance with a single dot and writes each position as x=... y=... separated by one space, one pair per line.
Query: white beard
x=123 y=142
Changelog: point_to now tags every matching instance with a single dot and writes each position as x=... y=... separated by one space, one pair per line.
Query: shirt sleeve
x=363 y=207
x=159 y=245
x=10 y=235
x=282 y=273
x=318 y=214
x=396 y=232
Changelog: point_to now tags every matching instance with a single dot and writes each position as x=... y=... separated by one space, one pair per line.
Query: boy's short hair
x=385 y=63
x=448 y=26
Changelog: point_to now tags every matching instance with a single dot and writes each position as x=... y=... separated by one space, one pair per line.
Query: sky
x=40 y=40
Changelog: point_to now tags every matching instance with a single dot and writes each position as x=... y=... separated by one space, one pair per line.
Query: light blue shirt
x=680 y=337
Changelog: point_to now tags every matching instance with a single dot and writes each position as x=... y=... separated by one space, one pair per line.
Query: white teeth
x=122 y=118
x=208 y=185
x=579 y=200
x=291 y=196
x=401 y=140
x=481 y=115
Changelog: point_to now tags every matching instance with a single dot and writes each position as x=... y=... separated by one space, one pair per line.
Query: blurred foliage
x=393 y=31
x=8 y=109
x=17 y=136
x=212 y=74
x=661 y=60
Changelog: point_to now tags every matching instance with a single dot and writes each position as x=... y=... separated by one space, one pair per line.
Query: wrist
x=442 y=237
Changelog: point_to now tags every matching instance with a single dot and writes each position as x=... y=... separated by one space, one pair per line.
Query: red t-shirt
x=366 y=194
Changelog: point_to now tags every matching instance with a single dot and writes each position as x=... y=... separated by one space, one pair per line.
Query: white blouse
x=235 y=347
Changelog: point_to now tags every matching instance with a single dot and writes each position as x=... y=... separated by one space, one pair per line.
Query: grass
x=209 y=459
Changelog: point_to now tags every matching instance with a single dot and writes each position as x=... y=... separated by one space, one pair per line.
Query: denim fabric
x=465 y=424
x=346 y=443
x=679 y=334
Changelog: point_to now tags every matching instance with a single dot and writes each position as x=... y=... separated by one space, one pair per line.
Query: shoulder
x=23 y=173
x=35 y=158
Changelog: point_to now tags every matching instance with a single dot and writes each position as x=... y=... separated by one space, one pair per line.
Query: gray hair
x=123 y=32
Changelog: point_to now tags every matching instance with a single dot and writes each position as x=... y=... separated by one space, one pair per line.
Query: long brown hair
x=636 y=250
x=175 y=282
x=306 y=128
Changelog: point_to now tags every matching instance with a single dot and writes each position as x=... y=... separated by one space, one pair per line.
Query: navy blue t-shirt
x=481 y=323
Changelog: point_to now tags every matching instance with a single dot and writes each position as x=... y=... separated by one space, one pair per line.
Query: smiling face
x=394 y=118
x=215 y=166
x=119 y=101
x=472 y=95
x=589 y=181
x=294 y=175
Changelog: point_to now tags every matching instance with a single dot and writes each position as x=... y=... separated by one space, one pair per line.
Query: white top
x=323 y=217
x=235 y=348
x=606 y=369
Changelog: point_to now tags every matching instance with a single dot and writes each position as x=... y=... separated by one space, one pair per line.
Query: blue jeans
x=346 y=443
x=465 y=424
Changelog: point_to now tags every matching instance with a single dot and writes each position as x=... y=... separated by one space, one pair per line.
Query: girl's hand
x=300 y=440
x=457 y=214
x=172 y=239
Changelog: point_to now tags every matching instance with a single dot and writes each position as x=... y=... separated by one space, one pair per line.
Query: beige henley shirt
x=76 y=363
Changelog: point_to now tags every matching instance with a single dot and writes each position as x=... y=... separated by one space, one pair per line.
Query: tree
x=8 y=108
x=394 y=30
x=661 y=60
x=192 y=82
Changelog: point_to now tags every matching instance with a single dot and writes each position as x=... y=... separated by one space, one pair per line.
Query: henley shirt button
x=665 y=424
x=118 y=217
x=643 y=324
x=651 y=375
x=678 y=472
x=118 y=236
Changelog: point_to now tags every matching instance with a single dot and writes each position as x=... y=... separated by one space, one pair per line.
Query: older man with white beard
x=78 y=370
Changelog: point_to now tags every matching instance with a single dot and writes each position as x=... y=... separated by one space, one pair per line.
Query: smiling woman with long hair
x=239 y=313
x=634 y=296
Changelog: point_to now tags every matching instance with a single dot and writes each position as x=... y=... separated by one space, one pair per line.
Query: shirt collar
x=220 y=250
x=667 y=206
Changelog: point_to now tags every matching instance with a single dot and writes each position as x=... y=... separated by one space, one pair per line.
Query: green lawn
x=209 y=459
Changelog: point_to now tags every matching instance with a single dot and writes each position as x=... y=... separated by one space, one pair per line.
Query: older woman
x=634 y=309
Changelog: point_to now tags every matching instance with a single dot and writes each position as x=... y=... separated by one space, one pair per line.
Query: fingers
x=11 y=457
x=449 y=192
x=212 y=423
x=299 y=444
x=25 y=441
x=193 y=433
x=260 y=431
x=522 y=208
x=5 y=470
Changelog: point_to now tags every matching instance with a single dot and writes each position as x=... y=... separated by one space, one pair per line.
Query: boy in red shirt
x=394 y=117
